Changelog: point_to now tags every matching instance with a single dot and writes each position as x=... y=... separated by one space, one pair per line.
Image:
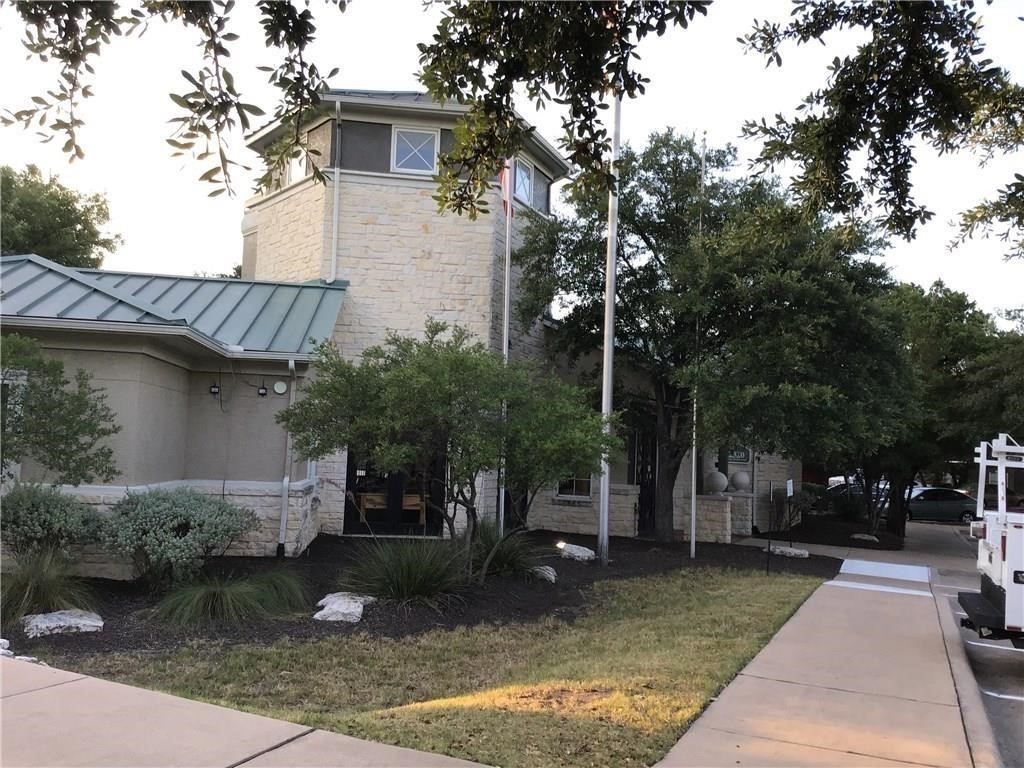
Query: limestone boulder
x=342 y=606
x=575 y=552
x=788 y=551
x=864 y=537
x=61 y=623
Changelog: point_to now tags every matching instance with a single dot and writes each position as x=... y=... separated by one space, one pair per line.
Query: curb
x=980 y=739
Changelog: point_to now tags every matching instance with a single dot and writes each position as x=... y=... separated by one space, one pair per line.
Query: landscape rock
x=31 y=659
x=61 y=623
x=5 y=652
x=864 y=537
x=343 y=606
x=788 y=551
x=574 y=552
x=4 y=644
x=545 y=572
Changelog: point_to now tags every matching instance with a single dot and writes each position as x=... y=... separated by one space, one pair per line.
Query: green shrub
x=40 y=582
x=36 y=517
x=233 y=600
x=427 y=571
x=169 y=533
x=281 y=591
x=514 y=554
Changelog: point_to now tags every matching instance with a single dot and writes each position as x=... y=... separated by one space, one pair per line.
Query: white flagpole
x=696 y=341
x=609 y=330
x=506 y=312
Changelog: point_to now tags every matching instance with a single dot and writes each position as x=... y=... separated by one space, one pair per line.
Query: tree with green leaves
x=724 y=288
x=60 y=424
x=42 y=216
x=435 y=404
x=553 y=430
x=922 y=76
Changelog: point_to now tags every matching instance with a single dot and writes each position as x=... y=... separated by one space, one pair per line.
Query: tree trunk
x=899 y=482
x=672 y=428
x=670 y=458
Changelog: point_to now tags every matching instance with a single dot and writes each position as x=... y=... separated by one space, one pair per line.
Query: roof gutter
x=150 y=329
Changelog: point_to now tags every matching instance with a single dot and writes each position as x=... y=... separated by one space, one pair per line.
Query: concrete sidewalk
x=858 y=677
x=49 y=717
x=932 y=544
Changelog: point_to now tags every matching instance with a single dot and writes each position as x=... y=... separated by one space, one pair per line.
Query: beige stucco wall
x=234 y=436
x=147 y=390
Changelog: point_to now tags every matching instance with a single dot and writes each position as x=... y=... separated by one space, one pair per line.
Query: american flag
x=507 y=179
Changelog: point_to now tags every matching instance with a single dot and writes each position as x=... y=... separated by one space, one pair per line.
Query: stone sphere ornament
x=715 y=482
x=740 y=480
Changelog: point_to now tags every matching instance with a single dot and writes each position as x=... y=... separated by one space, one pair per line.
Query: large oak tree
x=921 y=77
x=781 y=324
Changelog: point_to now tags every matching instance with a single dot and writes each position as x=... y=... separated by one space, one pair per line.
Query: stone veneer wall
x=714 y=520
x=405 y=263
x=290 y=235
x=263 y=498
x=741 y=512
x=570 y=516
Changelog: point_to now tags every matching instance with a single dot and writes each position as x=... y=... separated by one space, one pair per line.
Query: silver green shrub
x=35 y=517
x=170 y=533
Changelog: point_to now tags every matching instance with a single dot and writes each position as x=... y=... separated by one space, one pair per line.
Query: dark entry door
x=387 y=503
x=645 y=465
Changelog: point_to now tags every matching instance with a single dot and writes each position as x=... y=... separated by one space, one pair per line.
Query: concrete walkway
x=858 y=677
x=50 y=718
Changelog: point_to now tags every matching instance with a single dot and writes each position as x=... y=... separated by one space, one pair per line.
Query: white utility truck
x=997 y=612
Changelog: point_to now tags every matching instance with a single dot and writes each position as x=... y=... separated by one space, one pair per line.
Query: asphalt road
x=998 y=667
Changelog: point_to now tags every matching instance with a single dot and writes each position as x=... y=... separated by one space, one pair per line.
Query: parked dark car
x=944 y=505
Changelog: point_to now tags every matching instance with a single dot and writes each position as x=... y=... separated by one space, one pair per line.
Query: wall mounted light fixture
x=261 y=390
x=215 y=389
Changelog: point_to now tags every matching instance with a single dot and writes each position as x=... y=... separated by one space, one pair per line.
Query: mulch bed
x=124 y=606
x=835 y=531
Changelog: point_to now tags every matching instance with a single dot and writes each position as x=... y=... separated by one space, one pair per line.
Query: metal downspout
x=337 y=193
x=286 y=481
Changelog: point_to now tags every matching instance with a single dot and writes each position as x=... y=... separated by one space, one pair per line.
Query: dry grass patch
x=615 y=688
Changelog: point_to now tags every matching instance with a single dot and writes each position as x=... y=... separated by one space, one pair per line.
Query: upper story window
x=296 y=170
x=414 y=150
x=524 y=181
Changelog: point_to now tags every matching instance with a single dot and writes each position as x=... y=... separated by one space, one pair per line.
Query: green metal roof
x=236 y=315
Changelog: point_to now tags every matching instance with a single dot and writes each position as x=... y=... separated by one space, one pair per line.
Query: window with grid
x=577 y=486
x=414 y=151
x=524 y=182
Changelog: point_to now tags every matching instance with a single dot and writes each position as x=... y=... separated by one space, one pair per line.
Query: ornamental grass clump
x=427 y=571
x=508 y=554
x=39 y=517
x=170 y=533
x=228 y=600
x=40 y=582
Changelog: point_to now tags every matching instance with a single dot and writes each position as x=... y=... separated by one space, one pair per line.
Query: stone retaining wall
x=714 y=520
x=580 y=516
x=263 y=498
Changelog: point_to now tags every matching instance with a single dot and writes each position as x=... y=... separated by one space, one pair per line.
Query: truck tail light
x=1002 y=547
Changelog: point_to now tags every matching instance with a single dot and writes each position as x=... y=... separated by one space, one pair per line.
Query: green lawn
x=615 y=688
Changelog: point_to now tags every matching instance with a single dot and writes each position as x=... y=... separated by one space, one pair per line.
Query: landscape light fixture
x=215 y=389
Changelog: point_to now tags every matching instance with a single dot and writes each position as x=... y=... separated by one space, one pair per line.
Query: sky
x=701 y=80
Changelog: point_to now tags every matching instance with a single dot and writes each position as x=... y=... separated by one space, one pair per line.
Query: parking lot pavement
x=998 y=669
